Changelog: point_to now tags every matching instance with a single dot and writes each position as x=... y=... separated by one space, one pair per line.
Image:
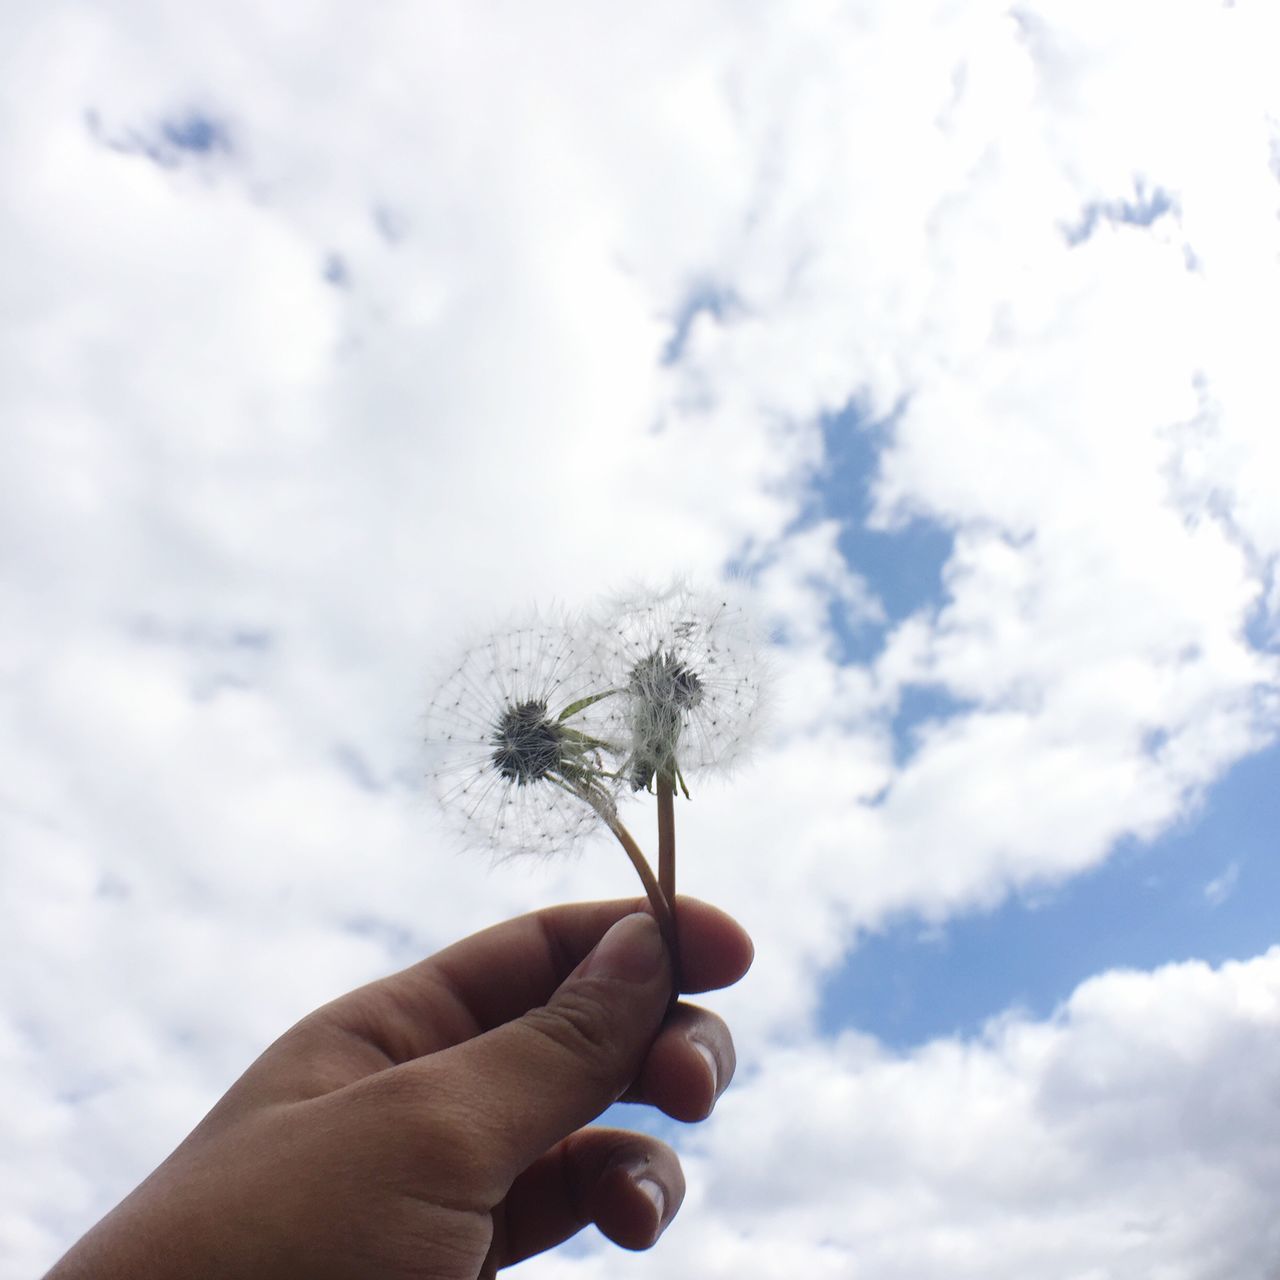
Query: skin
x=431 y=1124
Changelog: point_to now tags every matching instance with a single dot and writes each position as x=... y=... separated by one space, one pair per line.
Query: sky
x=948 y=329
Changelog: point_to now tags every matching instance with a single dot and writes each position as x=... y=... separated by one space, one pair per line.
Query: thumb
x=537 y=1079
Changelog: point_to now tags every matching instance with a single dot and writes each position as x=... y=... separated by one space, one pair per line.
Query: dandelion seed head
x=692 y=677
x=507 y=764
x=527 y=744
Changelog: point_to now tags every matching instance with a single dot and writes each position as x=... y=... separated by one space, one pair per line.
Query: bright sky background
x=329 y=334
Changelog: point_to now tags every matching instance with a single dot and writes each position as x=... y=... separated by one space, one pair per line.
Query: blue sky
x=950 y=327
x=1204 y=888
x=903 y=565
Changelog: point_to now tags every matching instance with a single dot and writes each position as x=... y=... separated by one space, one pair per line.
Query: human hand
x=429 y=1124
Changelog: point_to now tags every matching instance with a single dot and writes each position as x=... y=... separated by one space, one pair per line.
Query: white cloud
x=1134 y=1134
x=1220 y=888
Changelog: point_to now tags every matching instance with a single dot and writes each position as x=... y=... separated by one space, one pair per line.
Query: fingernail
x=632 y=951
x=658 y=1198
x=712 y=1066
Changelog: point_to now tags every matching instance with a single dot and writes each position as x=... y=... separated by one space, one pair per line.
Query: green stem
x=583 y=703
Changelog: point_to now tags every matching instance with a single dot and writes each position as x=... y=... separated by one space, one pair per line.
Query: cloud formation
x=325 y=342
x=1134 y=1134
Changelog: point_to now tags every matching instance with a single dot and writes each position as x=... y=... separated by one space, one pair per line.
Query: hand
x=429 y=1125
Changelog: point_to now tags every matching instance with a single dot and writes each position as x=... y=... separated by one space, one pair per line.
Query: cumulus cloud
x=1136 y=1133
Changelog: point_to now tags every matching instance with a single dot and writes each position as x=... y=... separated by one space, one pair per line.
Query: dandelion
x=511 y=766
x=538 y=730
x=688 y=670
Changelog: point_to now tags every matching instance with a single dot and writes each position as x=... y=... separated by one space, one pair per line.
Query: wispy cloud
x=1220 y=888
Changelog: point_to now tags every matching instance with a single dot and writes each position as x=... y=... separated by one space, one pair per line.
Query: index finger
x=500 y=973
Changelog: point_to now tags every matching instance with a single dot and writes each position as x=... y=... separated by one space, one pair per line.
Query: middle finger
x=688 y=1066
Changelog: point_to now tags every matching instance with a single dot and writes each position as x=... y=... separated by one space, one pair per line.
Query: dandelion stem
x=666 y=835
x=663 y=908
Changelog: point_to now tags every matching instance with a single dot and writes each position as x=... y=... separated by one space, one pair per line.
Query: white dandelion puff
x=511 y=763
x=688 y=680
x=690 y=677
